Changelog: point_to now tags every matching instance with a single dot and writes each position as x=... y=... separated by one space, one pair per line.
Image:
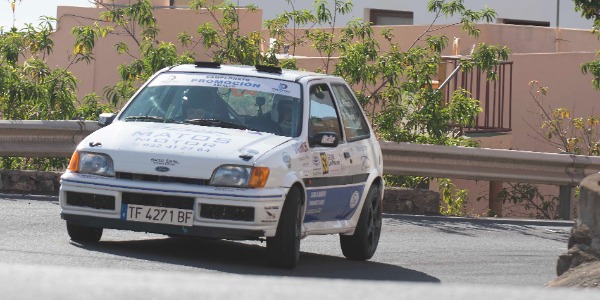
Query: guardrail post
x=565 y=207
x=495 y=205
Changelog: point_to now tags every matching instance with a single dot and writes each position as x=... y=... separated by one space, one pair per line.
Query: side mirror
x=324 y=139
x=106 y=119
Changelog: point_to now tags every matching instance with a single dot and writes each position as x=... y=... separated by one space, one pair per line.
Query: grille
x=91 y=200
x=226 y=212
x=158 y=178
x=158 y=200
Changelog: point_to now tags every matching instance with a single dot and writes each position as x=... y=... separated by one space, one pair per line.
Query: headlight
x=92 y=163
x=240 y=176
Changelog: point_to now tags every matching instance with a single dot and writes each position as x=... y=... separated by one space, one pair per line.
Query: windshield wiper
x=218 y=123
x=150 y=119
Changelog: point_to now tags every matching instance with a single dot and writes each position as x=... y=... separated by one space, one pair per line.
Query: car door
x=330 y=190
x=358 y=147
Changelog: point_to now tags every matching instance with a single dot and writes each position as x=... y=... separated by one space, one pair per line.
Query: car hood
x=180 y=150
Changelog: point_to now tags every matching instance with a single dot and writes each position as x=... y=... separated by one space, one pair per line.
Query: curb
x=509 y=221
x=9 y=196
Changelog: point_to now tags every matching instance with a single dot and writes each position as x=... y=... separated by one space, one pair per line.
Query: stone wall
x=411 y=201
x=29 y=182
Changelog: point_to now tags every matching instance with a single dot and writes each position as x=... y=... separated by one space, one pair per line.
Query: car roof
x=255 y=71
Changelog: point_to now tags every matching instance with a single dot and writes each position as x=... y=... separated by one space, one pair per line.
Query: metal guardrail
x=42 y=138
x=487 y=164
x=59 y=139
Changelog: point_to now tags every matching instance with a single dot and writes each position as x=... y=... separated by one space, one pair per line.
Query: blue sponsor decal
x=332 y=204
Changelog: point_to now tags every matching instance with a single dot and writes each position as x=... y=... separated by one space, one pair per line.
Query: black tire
x=284 y=248
x=363 y=243
x=84 y=234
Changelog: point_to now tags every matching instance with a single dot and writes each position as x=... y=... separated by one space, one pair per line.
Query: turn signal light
x=74 y=163
x=259 y=177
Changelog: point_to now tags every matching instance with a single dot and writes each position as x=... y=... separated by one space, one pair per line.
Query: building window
x=523 y=22
x=391 y=17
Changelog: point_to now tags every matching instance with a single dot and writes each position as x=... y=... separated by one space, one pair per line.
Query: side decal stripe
x=337 y=180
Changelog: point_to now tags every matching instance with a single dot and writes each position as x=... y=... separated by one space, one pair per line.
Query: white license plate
x=160 y=215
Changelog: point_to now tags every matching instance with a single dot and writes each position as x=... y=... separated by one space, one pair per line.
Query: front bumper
x=97 y=201
x=197 y=231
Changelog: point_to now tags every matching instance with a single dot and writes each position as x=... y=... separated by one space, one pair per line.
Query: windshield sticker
x=227 y=83
x=237 y=83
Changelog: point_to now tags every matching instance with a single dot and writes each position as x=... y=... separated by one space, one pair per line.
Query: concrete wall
x=568 y=88
x=532 y=10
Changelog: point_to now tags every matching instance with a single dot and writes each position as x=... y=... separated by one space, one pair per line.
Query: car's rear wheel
x=83 y=234
x=363 y=243
x=284 y=248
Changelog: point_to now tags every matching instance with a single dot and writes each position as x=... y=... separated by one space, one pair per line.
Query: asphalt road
x=469 y=254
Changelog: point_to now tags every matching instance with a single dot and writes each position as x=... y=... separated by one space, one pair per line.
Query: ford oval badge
x=162 y=169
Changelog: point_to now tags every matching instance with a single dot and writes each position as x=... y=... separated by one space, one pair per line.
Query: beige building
x=550 y=55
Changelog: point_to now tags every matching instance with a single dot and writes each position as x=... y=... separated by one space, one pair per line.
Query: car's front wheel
x=83 y=234
x=284 y=248
x=363 y=243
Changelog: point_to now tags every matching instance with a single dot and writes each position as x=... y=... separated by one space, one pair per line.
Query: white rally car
x=232 y=152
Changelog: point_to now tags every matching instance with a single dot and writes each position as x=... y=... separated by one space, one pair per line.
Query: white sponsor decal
x=318 y=194
x=232 y=82
x=328 y=139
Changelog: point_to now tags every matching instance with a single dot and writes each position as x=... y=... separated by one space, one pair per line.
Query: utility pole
x=557 y=37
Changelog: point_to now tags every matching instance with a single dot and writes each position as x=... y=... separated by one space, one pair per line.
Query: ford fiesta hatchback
x=232 y=152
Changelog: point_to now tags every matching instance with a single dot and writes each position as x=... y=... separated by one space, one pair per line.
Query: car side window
x=355 y=125
x=323 y=115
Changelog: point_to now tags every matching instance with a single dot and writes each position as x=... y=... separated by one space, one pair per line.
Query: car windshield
x=229 y=101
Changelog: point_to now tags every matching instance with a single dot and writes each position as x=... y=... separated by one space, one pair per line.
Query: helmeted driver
x=281 y=113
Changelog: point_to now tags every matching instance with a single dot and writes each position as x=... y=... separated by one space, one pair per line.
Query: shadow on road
x=471 y=227
x=251 y=259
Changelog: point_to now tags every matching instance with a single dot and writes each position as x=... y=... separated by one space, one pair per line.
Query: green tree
x=221 y=38
x=31 y=90
x=394 y=86
x=528 y=196
x=590 y=10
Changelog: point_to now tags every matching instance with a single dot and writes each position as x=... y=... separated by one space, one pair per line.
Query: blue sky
x=29 y=11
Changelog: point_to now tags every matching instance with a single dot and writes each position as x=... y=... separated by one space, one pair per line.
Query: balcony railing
x=495 y=96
